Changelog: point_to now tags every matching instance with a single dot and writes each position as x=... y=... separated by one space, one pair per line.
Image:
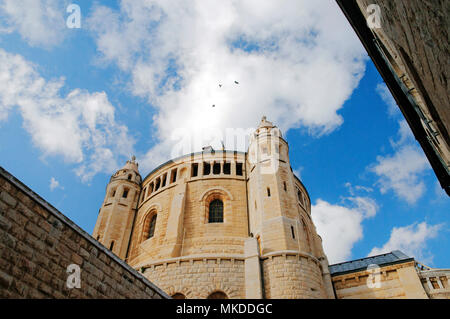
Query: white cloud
x=80 y=126
x=54 y=184
x=39 y=22
x=401 y=173
x=340 y=226
x=405 y=135
x=357 y=188
x=302 y=62
x=411 y=240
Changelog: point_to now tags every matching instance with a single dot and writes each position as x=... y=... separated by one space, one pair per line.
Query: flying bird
x=236 y=82
x=213 y=105
x=220 y=85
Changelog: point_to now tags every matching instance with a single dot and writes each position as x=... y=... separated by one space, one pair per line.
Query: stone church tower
x=115 y=219
x=279 y=211
x=219 y=224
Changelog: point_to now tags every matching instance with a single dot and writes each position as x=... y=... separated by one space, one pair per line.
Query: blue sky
x=75 y=104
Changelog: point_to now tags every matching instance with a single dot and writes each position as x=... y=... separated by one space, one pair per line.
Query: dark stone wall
x=419 y=31
x=38 y=243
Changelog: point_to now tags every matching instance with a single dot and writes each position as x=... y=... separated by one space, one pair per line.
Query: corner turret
x=115 y=219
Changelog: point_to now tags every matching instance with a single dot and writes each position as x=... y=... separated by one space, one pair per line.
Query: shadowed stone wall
x=38 y=243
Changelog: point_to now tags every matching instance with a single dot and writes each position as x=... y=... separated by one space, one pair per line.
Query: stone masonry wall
x=197 y=278
x=436 y=283
x=291 y=276
x=416 y=34
x=399 y=281
x=38 y=243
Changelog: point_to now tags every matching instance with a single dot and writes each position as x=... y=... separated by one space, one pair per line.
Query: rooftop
x=393 y=257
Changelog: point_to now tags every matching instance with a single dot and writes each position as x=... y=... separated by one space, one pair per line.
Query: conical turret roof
x=131 y=165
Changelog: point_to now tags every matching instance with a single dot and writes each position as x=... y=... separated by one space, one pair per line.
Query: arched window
x=129 y=177
x=178 y=295
x=215 y=211
x=218 y=295
x=151 y=229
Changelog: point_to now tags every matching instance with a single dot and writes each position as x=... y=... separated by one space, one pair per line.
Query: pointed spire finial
x=264 y=118
x=133 y=158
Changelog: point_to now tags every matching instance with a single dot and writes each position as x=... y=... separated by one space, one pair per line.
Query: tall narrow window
x=143 y=194
x=151 y=230
x=227 y=168
x=239 y=169
x=163 y=183
x=206 y=168
x=125 y=192
x=216 y=211
x=292 y=232
x=150 y=189
x=157 y=183
x=173 y=175
x=300 y=197
x=194 y=170
x=111 y=246
x=129 y=177
x=113 y=192
x=216 y=168
x=268 y=192
x=285 y=187
x=308 y=241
